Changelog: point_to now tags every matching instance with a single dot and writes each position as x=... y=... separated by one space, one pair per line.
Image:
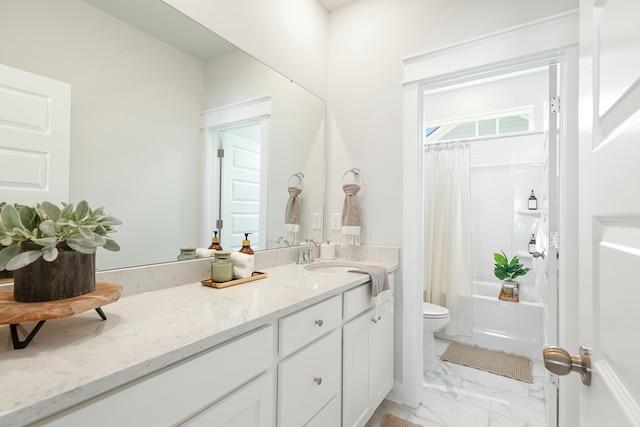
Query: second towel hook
x=357 y=179
x=300 y=177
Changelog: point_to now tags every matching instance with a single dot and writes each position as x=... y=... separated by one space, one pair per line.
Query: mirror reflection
x=154 y=98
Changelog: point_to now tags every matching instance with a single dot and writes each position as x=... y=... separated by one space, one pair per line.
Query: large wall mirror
x=153 y=97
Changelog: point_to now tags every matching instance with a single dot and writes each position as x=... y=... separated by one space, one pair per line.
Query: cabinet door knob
x=319 y=322
x=374 y=320
x=318 y=380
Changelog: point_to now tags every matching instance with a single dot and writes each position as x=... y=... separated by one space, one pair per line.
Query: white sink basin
x=333 y=267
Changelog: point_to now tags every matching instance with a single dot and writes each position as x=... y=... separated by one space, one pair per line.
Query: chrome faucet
x=310 y=249
x=302 y=256
x=305 y=255
x=283 y=240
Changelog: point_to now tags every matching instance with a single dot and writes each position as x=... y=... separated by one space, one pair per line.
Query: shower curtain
x=448 y=251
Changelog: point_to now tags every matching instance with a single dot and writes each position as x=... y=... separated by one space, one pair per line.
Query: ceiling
x=332 y=5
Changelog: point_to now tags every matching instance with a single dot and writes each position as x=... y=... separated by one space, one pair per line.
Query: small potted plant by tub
x=51 y=249
x=507 y=271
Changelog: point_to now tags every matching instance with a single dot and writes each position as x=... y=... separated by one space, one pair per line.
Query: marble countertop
x=74 y=359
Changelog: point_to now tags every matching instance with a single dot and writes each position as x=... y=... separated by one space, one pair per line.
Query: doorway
x=547 y=41
x=512 y=125
x=240 y=162
x=236 y=166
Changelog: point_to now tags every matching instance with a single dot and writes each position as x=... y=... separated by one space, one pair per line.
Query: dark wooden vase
x=5 y=275
x=70 y=275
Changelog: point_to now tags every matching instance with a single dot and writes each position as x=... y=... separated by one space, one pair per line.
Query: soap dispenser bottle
x=215 y=242
x=533 y=202
x=246 y=245
x=532 y=244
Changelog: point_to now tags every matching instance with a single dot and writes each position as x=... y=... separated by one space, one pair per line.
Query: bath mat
x=508 y=365
x=392 y=421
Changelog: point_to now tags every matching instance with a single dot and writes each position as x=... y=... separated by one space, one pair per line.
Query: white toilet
x=434 y=318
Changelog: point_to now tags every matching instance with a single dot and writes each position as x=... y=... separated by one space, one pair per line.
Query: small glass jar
x=187 y=252
x=222 y=267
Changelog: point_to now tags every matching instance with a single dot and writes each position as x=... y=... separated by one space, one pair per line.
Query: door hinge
x=554 y=104
x=554 y=240
x=218 y=224
x=554 y=379
x=220 y=153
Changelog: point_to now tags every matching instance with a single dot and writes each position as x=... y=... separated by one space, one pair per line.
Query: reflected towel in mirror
x=292 y=215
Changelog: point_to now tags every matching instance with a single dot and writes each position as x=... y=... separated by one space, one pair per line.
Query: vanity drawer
x=308 y=380
x=304 y=326
x=358 y=300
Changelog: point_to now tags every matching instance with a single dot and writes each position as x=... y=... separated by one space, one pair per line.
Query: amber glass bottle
x=215 y=242
x=246 y=245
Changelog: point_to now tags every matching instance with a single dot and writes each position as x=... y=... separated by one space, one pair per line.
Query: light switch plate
x=336 y=220
x=317 y=221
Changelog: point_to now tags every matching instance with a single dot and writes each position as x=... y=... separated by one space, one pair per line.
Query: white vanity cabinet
x=188 y=389
x=326 y=363
x=251 y=406
x=309 y=379
x=367 y=356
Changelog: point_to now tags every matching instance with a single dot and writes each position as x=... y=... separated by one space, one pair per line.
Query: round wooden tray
x=14 y=312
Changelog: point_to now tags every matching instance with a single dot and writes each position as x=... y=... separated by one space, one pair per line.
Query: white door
x=356 y=364
x=381 y=357
x=240 y=187
x=609 y=287
x=35 y=121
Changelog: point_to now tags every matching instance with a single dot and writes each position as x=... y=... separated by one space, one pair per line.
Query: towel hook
x=300 y=177
x=357 y=179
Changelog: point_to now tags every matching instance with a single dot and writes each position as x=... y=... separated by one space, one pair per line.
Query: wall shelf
x=535 y=213
x=524 y=255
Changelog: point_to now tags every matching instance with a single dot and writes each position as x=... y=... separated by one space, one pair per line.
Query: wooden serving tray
x=510 y=298
x=13 y=312
x=255 y=276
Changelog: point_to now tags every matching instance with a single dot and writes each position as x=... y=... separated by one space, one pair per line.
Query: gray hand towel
x=381 y=296
x=292 y=215
x=351 y=221
x=379 y=278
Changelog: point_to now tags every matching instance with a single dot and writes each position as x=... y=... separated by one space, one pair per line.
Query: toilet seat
x=433 y=311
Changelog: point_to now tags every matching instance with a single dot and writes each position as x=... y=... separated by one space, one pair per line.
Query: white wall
x=288 y=35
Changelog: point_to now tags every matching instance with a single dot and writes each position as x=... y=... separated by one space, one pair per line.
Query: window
x=491 y=124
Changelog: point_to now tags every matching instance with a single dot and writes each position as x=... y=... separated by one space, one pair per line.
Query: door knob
x=560 y=362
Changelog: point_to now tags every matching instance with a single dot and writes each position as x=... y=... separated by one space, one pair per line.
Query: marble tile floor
x=458 y=396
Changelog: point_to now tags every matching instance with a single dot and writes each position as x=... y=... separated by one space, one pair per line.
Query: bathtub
x=516 y=328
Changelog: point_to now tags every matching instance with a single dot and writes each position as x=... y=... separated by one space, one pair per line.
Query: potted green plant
x=51 y=250
x=508 y=270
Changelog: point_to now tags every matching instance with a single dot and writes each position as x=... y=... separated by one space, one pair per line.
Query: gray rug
x=508 y=365
x=392 y=421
